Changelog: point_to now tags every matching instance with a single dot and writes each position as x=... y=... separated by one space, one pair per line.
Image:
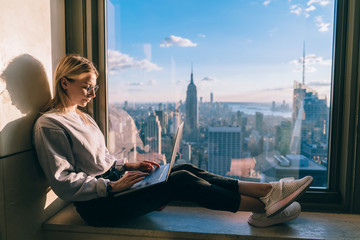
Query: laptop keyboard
x=157 y=176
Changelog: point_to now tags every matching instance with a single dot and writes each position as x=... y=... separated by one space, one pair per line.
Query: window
x=250 y=79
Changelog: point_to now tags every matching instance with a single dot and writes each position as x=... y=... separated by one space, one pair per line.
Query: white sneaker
x=288 y=214
x=283 y=193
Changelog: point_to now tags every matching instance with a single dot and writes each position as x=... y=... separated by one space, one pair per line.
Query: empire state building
x=191 y=118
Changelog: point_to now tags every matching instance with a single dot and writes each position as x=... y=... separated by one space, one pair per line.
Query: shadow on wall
x=25 y=90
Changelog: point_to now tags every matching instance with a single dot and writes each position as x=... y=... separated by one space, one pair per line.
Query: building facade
x=224 y=144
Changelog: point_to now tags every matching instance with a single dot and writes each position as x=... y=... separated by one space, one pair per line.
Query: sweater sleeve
x=56 y=159
x=119 y=163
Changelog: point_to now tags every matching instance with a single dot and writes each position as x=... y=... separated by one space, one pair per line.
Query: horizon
x=173 y=102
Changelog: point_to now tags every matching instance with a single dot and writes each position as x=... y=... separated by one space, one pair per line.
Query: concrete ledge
x=198 y=223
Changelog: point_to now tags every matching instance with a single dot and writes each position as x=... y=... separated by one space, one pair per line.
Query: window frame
x=86 y=35
x=85 y=27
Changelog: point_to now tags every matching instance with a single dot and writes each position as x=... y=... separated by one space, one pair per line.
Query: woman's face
x=77 y=89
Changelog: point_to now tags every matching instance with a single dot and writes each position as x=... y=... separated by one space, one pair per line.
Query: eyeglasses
x=89 y=89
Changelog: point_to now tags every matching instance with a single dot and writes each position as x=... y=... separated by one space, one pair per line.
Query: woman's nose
x=92 y=93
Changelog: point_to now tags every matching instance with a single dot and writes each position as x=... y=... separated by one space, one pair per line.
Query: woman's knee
x=184 y=166
x=181 y=176
x=184 y=178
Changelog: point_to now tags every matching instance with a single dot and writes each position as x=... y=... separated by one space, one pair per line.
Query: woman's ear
x=64 y=83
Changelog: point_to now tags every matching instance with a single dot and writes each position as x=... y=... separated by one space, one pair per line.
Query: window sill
x=198 y=223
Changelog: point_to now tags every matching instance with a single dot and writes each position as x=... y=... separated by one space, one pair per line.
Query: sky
x=241 y=50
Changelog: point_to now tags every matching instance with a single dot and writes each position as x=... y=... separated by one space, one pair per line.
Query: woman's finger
x=137 y=180
x=127 y=178
x=136 y=174
x=152 y=163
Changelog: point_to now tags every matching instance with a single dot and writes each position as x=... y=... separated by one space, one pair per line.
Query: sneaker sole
x=282 y=204
x=271 y=222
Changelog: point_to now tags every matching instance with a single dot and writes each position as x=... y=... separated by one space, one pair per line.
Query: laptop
x=161 y=174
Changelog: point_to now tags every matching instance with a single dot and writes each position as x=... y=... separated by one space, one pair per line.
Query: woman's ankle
x=267 y=189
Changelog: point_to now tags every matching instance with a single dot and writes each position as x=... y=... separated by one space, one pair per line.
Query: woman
x=72 y=152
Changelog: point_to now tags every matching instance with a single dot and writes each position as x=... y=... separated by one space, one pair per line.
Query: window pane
x=250 y=79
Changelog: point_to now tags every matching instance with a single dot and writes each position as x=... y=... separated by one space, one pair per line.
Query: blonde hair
x=69 y=66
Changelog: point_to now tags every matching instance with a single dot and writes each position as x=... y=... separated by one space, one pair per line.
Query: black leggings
x=186 y=183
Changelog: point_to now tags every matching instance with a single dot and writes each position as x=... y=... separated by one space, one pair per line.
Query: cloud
x=310 y=61
x=319 y=84
x=137 y=84
x=134 y=83
x=267 y=2
x=320 y=2
x=135 y=90
x=208 y=79
x=311 y=8
x=278 y=89
x=177 y=41
x=299 y=10
x=323 y=27
x=296 y=9
x=307 y=69
x=201 y=35
x=118 y=61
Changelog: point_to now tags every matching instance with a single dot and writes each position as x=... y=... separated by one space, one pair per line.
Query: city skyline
x=242 y=51
x=230 y=143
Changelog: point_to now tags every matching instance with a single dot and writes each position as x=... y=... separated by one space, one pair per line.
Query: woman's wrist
x=121 y=166
x=109 y=188
x=129 y=166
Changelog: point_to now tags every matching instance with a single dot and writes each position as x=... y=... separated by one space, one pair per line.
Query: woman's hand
x=144 y=166
x=127 y=181
x=151 y=156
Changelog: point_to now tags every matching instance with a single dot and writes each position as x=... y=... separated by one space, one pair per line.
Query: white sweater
x=71 y=153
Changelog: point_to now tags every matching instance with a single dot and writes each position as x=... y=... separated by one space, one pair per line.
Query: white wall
x=31 y=43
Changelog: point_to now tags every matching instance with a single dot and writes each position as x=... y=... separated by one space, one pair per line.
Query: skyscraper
x=191 y=110
x=224 y=144
x=283 y=137
x=259 y=117
x=163 y=118
x=298 y=97
x=314 y=127
x=153 y=133
x=298 y=116
x=176 y=120
x=310 y=123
